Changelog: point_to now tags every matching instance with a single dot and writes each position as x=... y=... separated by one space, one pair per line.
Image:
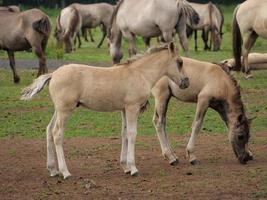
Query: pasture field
x=92 y=141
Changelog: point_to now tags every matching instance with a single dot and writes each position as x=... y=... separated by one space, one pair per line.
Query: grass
x=29 y=119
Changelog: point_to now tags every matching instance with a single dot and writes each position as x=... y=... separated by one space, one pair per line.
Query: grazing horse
x=246 y=29
x=24 y=30
x=93 y=15
x=69 y=24
x=147 y=18
x=124 y=88
x=210 y=86
x=211 y=20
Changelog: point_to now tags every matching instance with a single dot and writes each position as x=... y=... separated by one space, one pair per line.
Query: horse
x=211 y=20
x=124 y=88
x=24 y=30
x=94 y=15
x=210 y=87
x=147 y=18
x=69 y=23
x=246 y=29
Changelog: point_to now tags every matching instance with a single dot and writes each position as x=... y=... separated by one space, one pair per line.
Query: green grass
x=29 y=119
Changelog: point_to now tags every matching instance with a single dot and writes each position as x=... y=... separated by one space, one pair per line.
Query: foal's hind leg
x=248 y=41
x=13 y=67
x=58 y=134
x=51 y=152
x=159 y=119
x=202 y=106
x=124 y=144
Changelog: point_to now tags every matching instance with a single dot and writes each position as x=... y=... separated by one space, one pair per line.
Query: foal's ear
x=172 y=48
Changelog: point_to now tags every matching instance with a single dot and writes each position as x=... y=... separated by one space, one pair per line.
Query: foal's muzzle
x=184 y=83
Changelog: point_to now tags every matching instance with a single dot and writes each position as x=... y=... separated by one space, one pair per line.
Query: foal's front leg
x=124 y=144
x=202 y=106
x=131 y=120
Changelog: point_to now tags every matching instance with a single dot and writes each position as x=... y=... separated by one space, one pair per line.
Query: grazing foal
x=124 y=88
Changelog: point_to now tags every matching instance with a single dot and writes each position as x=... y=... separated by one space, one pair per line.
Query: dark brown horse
x=24 y=30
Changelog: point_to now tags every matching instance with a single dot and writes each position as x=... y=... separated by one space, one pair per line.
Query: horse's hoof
x=174 y=162
x=66 y=175
x=195 y=162
x=134 y=174
x=127 y=171
x=54 y=173
x=248 y=76
x=16 y=79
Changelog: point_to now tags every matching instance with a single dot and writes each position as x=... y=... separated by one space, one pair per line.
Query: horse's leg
x=181 y=29
x=44 y=44
x=104 y=31
x=84 y=34
x=202 y=106
x=159 y=119
x=131 y=120
x=124 y=144
x=51 y=152
x=13 y=67
x=205 y=38
x=58 y=134
x=195 y=40
x=78 y=36
x=131 y=38
x=147 y=41
x=91 y=35
x=248 y=41
x=42 y=60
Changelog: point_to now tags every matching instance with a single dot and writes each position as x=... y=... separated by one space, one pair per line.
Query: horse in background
x=94 y=88
x=68 y=26
x=147 y=18
x=210 y=87
x=211 y=21
x=11 y=8
x=94 y=15
x=17 y=36
x=246 y=29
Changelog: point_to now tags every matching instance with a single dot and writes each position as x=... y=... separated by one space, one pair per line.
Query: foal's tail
x=43 y=26
x=29 y=92
x=237 y=42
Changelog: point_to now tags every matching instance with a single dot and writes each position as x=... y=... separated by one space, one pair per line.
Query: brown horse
x=124 y=88
x=210 y=86
x=94 y=15
x=246 y=29
x=147 y=18
x=211 y=21
x=22 y=31
x=68 y=26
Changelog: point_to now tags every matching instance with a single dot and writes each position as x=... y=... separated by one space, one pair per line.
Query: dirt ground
x=96 y=173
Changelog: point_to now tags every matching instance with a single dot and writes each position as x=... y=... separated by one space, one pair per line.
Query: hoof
x=134 y=174
x=55 y=173
x=127 y=171
x=195 y=162
x=248 y=76
x=174 y=162
x=16 y=79
x=66 y=175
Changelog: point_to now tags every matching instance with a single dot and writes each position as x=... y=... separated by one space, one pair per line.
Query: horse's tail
x=29 y=92
x=74 y=23
x=184 y=8
x=42 y=26
x=237 y=42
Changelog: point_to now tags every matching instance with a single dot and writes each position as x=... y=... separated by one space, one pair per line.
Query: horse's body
x=146 y=18
x=11 y=8
x=94 y=15
x=69 y=23
x=212 y=87
x=211 y=20
x=123 y=88
x=249 y=22
x=22 y=31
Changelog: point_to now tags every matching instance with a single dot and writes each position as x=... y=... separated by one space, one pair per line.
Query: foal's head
x=240 y=137
x=175 y=68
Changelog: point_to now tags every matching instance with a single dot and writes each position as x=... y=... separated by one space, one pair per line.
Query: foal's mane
x=150 y=51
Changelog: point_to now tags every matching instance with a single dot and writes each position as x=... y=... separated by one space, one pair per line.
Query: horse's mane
x=237 y=97
x=113 y=17
x=150 y=51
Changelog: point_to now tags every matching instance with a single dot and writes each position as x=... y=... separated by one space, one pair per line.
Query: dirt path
x=96 y=173
x=51 y=64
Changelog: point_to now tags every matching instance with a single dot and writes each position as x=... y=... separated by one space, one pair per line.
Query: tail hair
x=184 y=8
x=42 y=26
x=29 y=92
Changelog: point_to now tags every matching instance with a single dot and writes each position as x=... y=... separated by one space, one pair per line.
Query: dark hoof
x=250 y=157
x=16 y=79
x=195 y=162
x=174 y=162
x=135 y=174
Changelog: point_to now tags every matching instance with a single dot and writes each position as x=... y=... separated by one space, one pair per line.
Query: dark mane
x=113 y=17
x=150 y=51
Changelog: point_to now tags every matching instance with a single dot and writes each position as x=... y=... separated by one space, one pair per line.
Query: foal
x=210 y=86
x=124 y=88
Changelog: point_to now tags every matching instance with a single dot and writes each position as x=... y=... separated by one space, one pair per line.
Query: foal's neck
x=153 y=67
